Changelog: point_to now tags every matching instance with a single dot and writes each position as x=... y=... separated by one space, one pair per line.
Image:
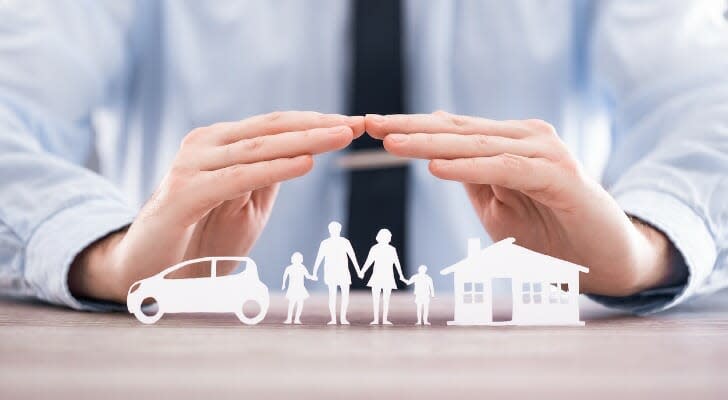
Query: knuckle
x=307 y=134
x=194 y=137
x=253 y=144
x=513 y=167
x=512 y=162
x=408 y=122
x=178 y=178
x=541 y=126
x=571 y=168
x=267 y=177
x=273 y=116
x=458 y=120
x=482 y=141
x=236 y=174
x=441 y=113
x=471 y=164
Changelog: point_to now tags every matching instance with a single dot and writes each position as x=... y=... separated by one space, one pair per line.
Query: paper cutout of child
x=424 y=290
x=296 y=273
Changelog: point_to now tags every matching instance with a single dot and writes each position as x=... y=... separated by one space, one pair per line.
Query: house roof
x=508 y=246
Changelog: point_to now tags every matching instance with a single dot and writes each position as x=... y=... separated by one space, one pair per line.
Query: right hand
x=214 y=201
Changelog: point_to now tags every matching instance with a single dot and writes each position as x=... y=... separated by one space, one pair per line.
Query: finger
x=285 y=121
x=379 y=126
x=236 y=180
x=265 y=197
x=282 y=145
x=451 y=146
x=507 y=170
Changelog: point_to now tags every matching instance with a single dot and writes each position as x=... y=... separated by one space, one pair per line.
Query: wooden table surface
x=55 y=353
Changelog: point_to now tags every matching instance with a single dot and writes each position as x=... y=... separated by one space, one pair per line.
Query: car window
x=201 y=269
x=227 y=267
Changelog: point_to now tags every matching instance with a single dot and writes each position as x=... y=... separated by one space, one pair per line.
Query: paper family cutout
x=542 y=290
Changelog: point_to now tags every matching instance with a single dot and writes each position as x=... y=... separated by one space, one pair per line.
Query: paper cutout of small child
x=296 y=273
x=424 y=290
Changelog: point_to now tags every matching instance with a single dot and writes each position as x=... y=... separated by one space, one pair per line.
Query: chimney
x=473 y=247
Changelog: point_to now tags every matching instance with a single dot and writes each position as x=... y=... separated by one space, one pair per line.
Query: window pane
x=478 y=298
x=468 y=298
x=537 y=287
x=201 y=269
x=526 y=287
x=479 y=287
x=553 y=298
x=537 y=298
x=526 y=298
x=468 y=286
x=565 y=287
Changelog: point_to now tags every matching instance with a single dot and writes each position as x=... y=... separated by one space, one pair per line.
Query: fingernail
x=375 y=118
x=398 y=137
x=439 y=164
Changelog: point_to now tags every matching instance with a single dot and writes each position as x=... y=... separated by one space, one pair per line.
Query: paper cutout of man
x=334 y=252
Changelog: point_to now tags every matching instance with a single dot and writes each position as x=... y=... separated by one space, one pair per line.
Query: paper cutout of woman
x=384 y=257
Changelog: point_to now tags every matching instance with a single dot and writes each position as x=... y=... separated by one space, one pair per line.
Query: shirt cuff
x=56 y=242
x=687 y=232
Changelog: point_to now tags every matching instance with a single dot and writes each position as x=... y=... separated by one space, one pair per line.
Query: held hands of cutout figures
x=215 y=199
x=523 y=182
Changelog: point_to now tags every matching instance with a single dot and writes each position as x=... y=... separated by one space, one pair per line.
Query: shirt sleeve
x=662 y=68
x=58 y=61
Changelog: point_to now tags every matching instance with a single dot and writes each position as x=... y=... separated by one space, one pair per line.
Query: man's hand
x=523 y=182
x=214 y=201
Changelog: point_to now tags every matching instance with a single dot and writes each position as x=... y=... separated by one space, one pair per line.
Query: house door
x=502 y=300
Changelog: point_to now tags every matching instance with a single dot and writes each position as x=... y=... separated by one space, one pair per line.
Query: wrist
x=659 y=266
x=94 y=272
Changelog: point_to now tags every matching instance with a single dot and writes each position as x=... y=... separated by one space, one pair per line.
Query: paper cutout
x=333 y=252
x=213 y=293
x=545 y=289
x=296 y=274
x=383 y=256
x=424 y=290
x=542 y=290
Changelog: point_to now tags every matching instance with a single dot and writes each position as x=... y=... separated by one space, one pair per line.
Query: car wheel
x=263 y=309
x=148 y=318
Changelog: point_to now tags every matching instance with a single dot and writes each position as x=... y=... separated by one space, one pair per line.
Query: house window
x=537 y=287
x=473 y=293
x=532 y=292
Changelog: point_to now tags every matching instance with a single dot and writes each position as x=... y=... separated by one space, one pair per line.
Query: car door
x=190 y=294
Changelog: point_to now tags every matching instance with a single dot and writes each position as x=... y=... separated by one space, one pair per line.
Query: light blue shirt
x=117 y=84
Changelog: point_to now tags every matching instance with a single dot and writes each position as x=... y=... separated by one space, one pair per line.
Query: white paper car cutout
x=213 y=294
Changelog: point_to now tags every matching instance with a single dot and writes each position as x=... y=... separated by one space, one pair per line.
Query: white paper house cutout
x=209 y=294
x=536 y=282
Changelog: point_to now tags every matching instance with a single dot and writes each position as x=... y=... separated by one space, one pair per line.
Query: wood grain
x=54 y=353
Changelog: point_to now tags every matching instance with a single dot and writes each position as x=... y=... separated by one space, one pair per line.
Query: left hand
x=523 y=182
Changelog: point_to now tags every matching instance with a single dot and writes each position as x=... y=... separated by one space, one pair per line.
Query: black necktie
x=377 y=197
